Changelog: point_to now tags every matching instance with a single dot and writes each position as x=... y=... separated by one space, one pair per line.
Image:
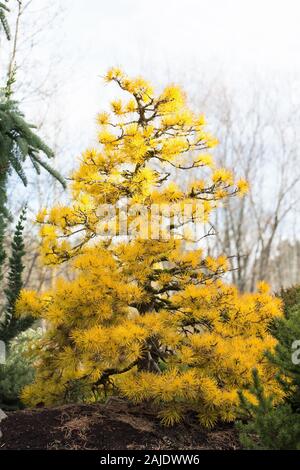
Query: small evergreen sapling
x=10 y=325
x=18 y=370
x=271 y=426
x=15 y=373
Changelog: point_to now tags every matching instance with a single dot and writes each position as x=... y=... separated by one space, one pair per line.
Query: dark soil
x=117 y=425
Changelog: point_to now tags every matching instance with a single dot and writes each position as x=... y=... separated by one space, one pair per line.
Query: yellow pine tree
x=143 y=317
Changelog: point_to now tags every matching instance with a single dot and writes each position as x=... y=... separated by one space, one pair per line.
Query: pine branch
x=3 y=20
x=49 y=169
x=17 y=166
x=18 y=141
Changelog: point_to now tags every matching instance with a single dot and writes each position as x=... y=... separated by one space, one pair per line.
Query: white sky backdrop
x=248 y=43
x=166 y=40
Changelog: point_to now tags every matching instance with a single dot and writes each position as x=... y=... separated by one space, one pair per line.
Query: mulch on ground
x=117 y=425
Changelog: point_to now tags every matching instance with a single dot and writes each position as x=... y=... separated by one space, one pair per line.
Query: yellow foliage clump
x=143 y=317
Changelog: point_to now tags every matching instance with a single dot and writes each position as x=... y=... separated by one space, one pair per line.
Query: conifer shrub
x=271 y=425
x=18 y=370
x=10 y=324
x=290 y=297
x=15 y=373
x=144 y=317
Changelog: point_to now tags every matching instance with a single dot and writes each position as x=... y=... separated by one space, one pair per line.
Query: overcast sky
x=164 y=40
x=167 y=40
x=257 y=32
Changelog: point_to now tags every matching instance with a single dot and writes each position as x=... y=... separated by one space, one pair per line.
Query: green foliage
x=3 y=20
x=16 y=373
x=17 y=143
x=271 y=426
x=2 y=238
x=18 y=370
x=287 y=332
x=11 y=325
x=290 y=297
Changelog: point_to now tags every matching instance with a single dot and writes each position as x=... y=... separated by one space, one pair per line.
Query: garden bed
x=117 y=425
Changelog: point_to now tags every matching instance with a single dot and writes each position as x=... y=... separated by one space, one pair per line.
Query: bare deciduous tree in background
x=259 y=139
